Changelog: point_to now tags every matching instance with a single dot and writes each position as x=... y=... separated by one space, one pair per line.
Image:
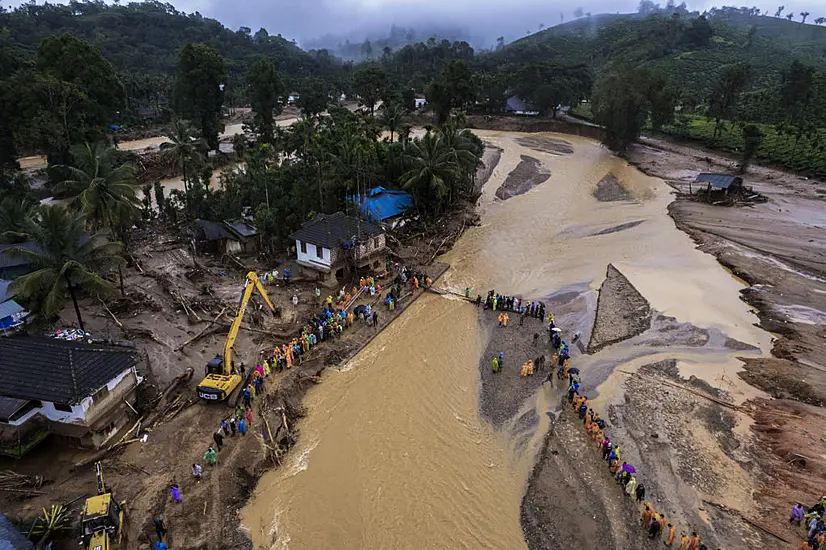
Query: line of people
x=812 y=519
x=655 y=524
x=498 y=302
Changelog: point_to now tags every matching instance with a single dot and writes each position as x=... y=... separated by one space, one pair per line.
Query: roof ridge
x=75 y=390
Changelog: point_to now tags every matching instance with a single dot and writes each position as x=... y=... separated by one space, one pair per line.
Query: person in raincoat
x=671 y=534
x=631 y=486
x=654 y=528
x=647 y=515
x=695 y=541
x=211 y=456
x=175 y=491
x=495 y=364
x=797 y=514
x=242 y=426
x=640 y=492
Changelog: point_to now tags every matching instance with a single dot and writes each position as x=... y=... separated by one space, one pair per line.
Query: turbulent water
x=393 y=452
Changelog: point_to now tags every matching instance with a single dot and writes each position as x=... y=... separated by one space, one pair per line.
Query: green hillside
x=146 y=37
x=664 y=42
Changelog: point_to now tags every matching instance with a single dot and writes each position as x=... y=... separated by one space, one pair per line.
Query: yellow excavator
x=221 y=378
x=102 y=519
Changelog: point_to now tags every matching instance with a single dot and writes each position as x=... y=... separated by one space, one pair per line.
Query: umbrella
x=555 y=329
x=630 y=469
x=573 y=370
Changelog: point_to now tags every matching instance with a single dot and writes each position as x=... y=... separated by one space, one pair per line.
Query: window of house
x=319 y=251
x=22 y=411
x=376 y=242
x=101 y=393
x=303 y=248
x=62 y=407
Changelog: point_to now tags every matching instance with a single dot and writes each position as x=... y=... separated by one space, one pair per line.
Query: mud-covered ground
x=778 y=248
x=171 y=298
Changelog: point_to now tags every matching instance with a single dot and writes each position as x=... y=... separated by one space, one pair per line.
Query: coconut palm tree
x=104 y=191
x=460 y=142
x=432 y=173
x=64 y=258
x=392 y=117
x=183 y=150
x=55 y=519
x=14 y=214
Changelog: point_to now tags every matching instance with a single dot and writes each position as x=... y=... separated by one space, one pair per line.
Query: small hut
x=721 y=183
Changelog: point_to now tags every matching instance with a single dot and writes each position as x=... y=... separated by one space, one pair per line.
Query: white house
x=72 y=389
x=331 y=245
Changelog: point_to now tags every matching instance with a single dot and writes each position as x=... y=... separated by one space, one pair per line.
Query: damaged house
x=72 y=389
x=332 y=245
x=228 y=237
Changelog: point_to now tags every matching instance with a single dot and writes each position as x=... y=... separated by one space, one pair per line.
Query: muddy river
x=393 y=452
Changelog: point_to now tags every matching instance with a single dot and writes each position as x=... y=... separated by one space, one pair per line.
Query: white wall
x=78 y=414
x=311 y=255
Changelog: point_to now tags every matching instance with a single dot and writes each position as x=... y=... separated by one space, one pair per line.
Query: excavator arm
x=252 y=283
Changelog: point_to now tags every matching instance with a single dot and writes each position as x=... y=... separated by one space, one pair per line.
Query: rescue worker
x=646 y=517
x=684 y=542
x=505 y=320
x=671 y=534
x=695 y=541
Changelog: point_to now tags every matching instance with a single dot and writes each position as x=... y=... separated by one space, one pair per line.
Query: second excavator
x=222 y=378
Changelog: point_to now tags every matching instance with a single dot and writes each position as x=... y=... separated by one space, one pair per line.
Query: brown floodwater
x=393 y=452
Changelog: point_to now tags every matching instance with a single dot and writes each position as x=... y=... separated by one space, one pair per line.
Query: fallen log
x=112 y=315
x=689 y=390
x=202 y=333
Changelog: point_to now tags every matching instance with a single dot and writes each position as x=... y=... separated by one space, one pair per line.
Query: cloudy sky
x=482 y=19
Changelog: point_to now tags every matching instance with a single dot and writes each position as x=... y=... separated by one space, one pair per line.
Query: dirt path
x=572 y=500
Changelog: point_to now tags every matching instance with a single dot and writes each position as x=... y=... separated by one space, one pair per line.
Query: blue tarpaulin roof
x=381 y=204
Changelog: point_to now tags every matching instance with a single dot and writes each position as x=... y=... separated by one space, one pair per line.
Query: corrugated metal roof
x=5 y=293
x=36 y=367
x=381 y=204
x=11 y=538
x=718 y=181
x=242 y=228
x=9 y=308
x=8 y=259
x=329 y=231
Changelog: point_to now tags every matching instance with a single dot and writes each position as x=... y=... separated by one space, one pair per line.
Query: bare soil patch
x=572 y=500
x=528 y=174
